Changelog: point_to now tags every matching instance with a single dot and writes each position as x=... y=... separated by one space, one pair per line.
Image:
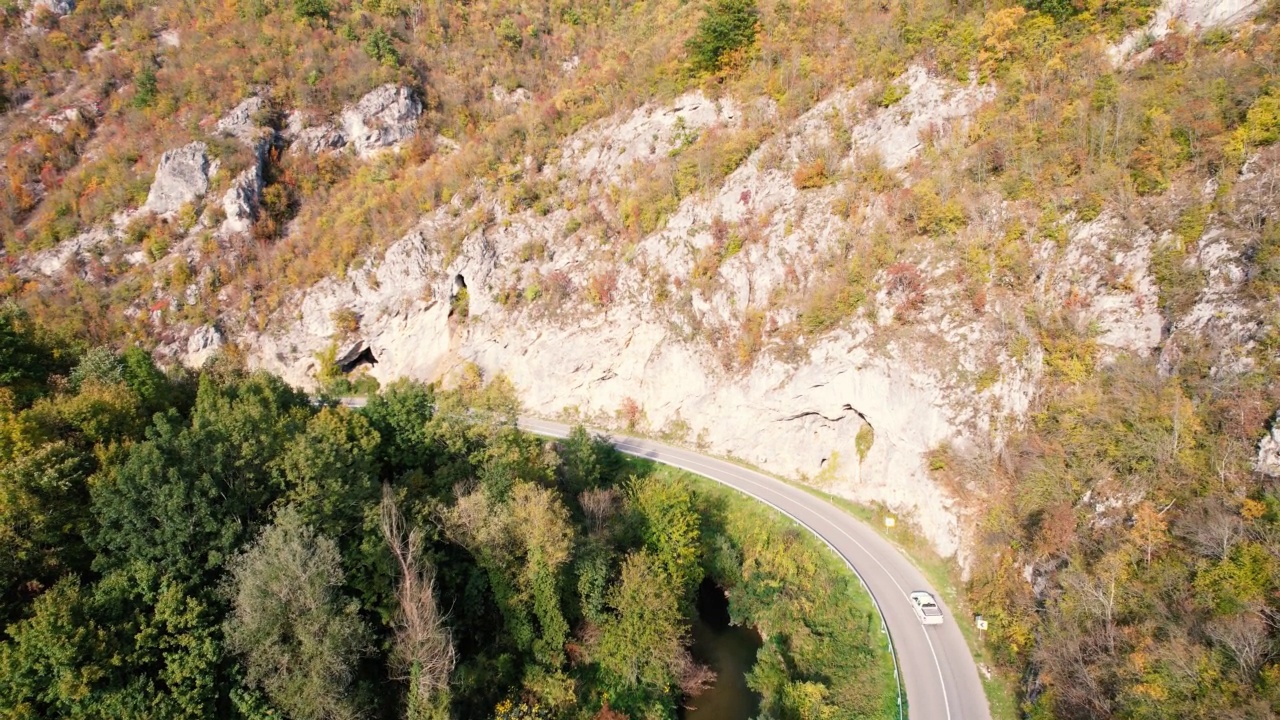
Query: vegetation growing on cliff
x=1127 y=551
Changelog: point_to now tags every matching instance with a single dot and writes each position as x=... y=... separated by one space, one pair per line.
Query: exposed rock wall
x=797 y=420
x=242 y=121
x=798 y=416
x=1268 y=460
x=1196 y=15
x=588 y=322
x=381 y=119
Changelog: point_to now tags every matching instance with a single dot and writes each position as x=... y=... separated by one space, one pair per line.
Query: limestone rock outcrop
x=241 y=201
x=1195 y=15
x=318 y=139
x=57 y=8
x=202 y=344
x=1268 y=460
x=585 y=326
x=181 y=177
x=242 y=121
x=382 y=118
x=798 y=416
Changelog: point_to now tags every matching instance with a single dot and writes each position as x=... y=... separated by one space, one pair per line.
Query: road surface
x=940 y=676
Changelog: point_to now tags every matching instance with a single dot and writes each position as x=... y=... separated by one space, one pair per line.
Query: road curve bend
x=940 y=676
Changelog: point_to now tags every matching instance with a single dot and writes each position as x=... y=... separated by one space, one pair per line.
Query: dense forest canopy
x=220 y=545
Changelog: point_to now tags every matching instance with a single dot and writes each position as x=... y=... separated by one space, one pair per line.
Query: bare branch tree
x=1245 y=636
x=1211 y=528
x=692 y=676
x=423 y=652
x=599 y=505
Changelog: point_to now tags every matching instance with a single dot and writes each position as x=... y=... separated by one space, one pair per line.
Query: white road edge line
x=735 y=472
x=814 y=531
x=635 y=446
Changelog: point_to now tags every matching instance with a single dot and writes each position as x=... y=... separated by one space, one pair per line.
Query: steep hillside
x=1011 y=270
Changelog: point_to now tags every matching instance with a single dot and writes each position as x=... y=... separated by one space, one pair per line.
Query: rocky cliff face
x=645 y=336
x=381 y=119
x=856 y=414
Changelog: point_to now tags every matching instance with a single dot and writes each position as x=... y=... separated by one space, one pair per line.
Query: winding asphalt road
x=940 y=676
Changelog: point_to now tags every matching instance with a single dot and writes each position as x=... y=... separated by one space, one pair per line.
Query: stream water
x=730 y=651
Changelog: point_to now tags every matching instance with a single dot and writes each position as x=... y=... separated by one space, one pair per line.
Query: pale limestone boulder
x=383 y=118
x=58 y=8
x=1268 y=460
x=181 y=177
x=318 y=139
x=241 y=201
x=241 y=122
x=1193 y=15
x=202 y=345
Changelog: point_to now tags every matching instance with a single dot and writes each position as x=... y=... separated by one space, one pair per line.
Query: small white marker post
x=889 y=521
x=981 y=622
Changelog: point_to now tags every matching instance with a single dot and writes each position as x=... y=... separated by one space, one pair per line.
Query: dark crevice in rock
x=857 y=412
x=358 y=355
x=810 y=413
x=814 y=413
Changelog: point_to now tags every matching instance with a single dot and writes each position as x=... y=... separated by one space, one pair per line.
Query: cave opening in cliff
x=359 y=355
x=460 y=301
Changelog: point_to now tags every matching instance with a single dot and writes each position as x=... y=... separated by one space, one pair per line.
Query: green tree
x=509 y=34
x=311 y=9
x=726 y=26
x=99 y=365
x=156 y=391
x=523 y=544
x=187 y=497
x=511 y=457
x=580 y=461
x=400 y=414
x=671 y=530
x=331 y=474
x=299 y=637
x=135 y=645
x=252 y=416
x=56 y=657
x=43 y=518
x=145 y=87
x=167 y=645
x=95 y=415
x=26 y=359
x=381 y=47
x=643 y=642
